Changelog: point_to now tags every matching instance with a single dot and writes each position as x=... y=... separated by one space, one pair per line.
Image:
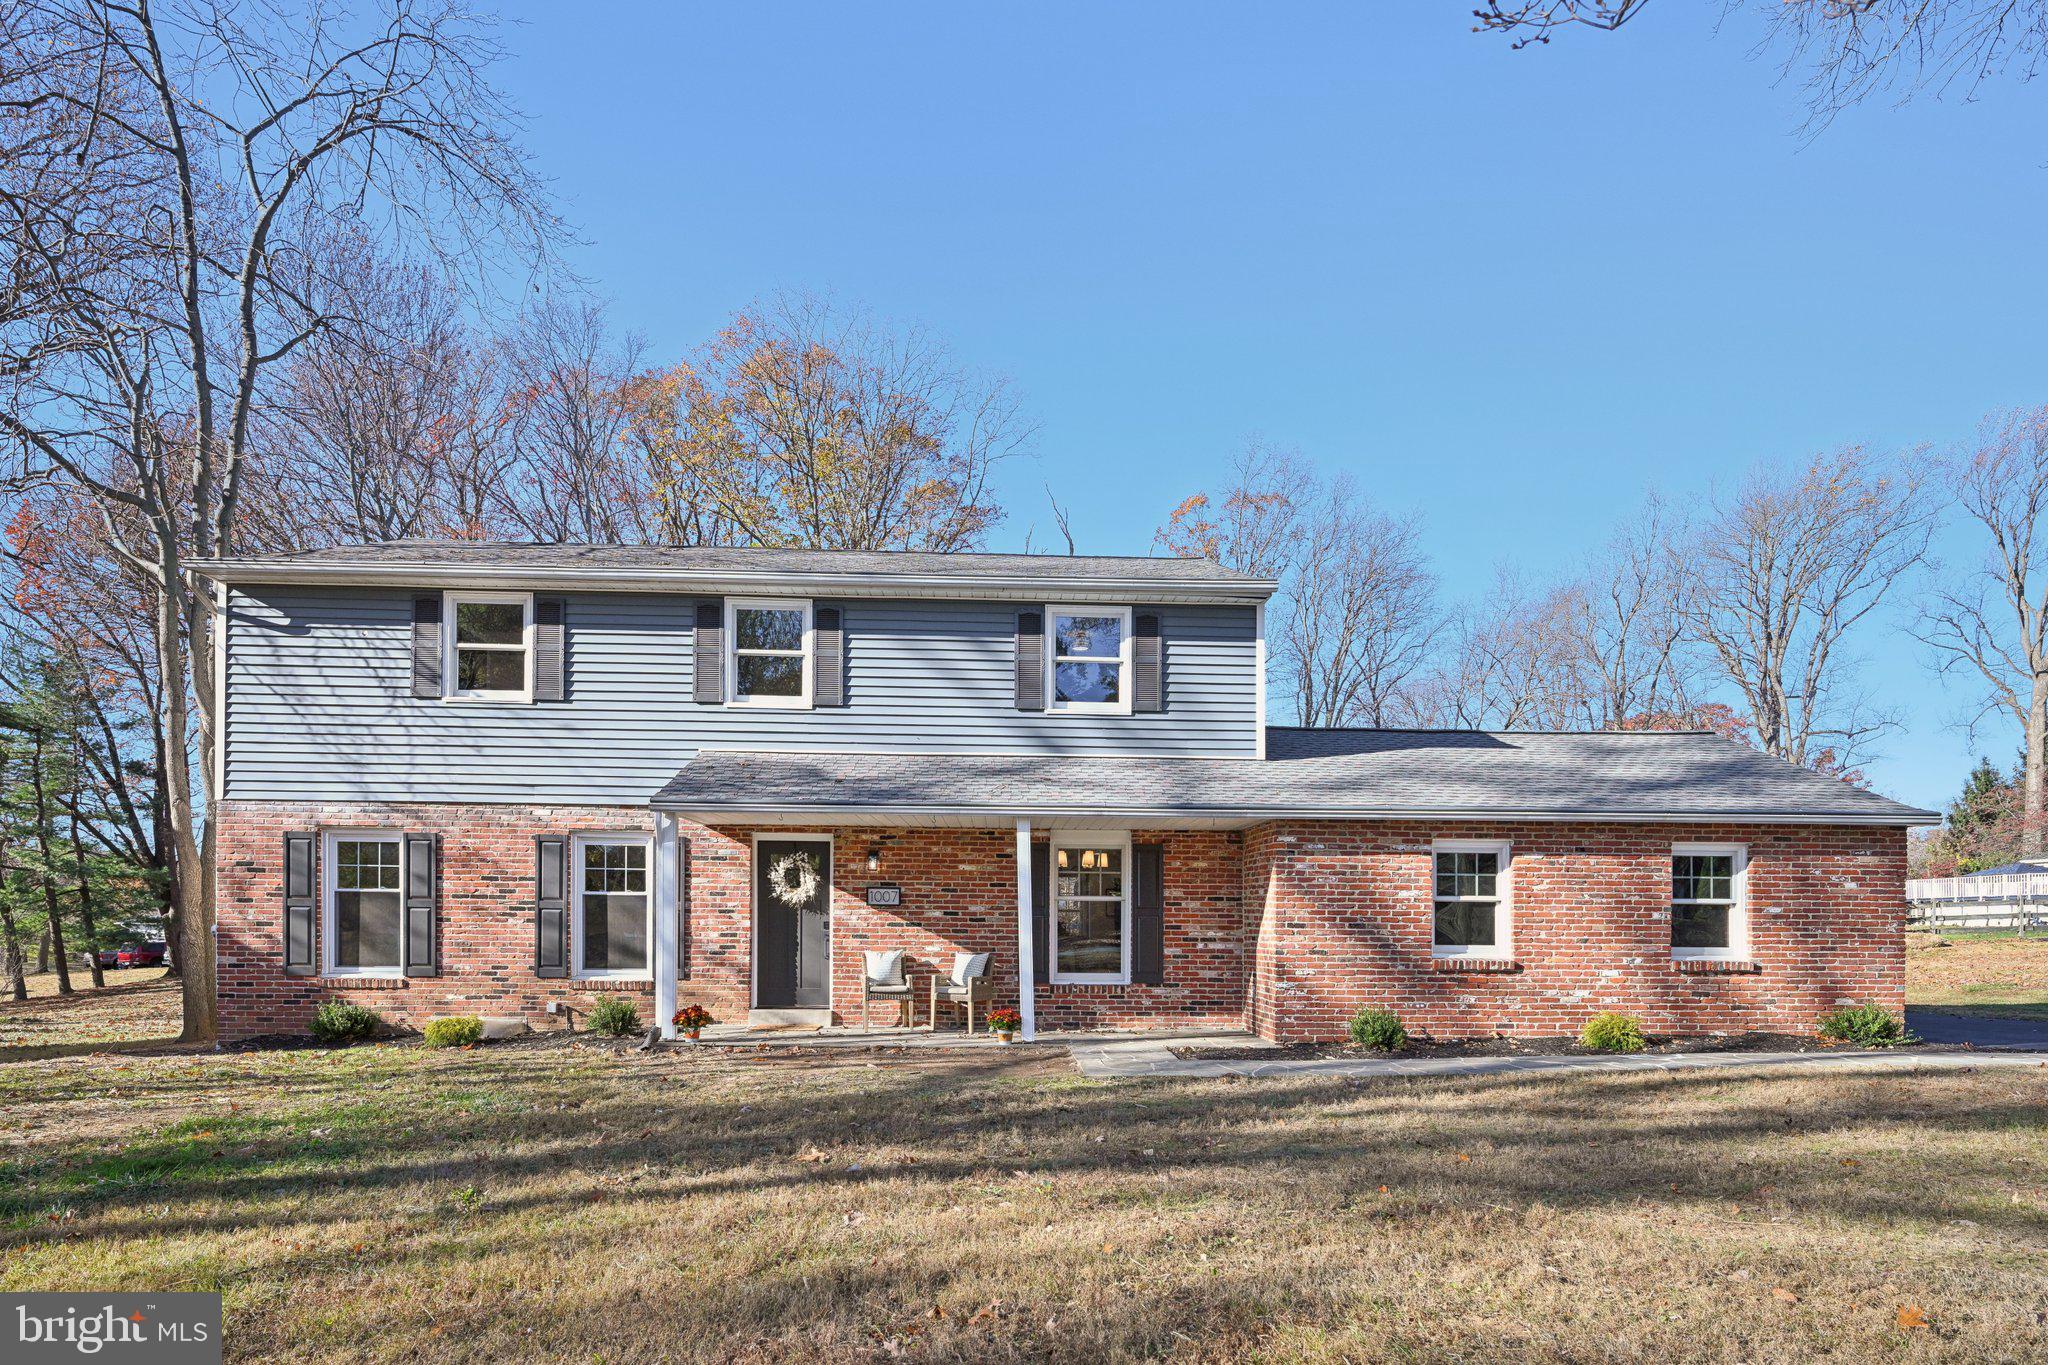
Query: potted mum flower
x=1004 y=1024
x=692 y=1020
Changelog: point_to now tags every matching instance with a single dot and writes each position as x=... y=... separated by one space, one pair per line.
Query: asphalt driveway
x=1940 y=1026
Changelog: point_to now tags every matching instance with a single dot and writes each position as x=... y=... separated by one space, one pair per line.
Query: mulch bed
x=1418 y=1048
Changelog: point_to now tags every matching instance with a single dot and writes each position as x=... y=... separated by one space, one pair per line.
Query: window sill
x=1087 y=987
x=1480 y=966
x=350 y=981
x=637 y=985
x=1714 y=966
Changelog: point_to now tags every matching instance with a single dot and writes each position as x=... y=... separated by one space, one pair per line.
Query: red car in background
x=142 y=955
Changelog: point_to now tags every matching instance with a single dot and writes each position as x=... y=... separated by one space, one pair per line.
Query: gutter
x=1905 y=817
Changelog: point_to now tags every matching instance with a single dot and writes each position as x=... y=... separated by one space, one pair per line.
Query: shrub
x=458 y=1030
x=1379 y=1029
x=1865 y=1026
x=343 y=1021
x=614 y=1014
x=1611 y=1032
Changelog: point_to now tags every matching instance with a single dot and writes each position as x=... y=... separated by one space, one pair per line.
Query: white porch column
x=668 y=869
x=1027 y=970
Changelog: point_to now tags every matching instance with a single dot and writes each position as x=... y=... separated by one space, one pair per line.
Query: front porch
x=768 y=925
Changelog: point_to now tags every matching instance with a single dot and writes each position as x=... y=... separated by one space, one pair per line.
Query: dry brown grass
x=135 y=1005
x=2000 y=974
x=521 y=1204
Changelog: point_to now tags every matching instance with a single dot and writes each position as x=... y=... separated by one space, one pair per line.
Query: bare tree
x=1991 y=624
x=1354 y=618
x=1634 y=658
x=1842 y=51
x=192 y=163
x=807 y=424
x=1781 y=574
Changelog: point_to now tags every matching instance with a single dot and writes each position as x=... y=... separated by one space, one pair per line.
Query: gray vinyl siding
x=320 y=705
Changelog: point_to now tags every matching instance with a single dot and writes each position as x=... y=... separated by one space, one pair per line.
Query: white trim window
x=1709 y=886
x=612 y=927
x=1472 y=913
x=769 y=655
x=1088 y=660
x=363 y=903
x=1091 y=908
x=488 y=645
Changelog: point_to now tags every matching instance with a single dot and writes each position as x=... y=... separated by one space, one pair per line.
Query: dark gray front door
x=792 y=904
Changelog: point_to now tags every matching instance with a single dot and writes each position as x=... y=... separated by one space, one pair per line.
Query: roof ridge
x=1464 y=730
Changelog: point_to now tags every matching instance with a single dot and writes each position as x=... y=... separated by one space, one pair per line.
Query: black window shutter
x=426 y=646
x=708 y=686
x=1041 y=912
x=301 y=901
x=1148 y=915
x=1030 y=661
x=551 y=906
x=1148 y=689
x=422 y=878
x=550 y=649
x=831 y=658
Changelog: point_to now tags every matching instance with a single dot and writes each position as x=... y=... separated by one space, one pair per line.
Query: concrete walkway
x=1108 y=1059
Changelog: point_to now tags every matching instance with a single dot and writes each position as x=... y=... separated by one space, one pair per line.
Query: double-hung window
x=1088 y=660
x=364 y=875
x=614 y=916
x=769 y=660
x=1091 y=908
x=1472 y=916
x=1707 y=919
x=489 y=645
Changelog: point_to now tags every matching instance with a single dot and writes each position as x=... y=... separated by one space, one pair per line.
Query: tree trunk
x=10 y=945
x=2034 y=781
x=43 y=950
x=92 y=934
x=195 y=919
x=49 y=882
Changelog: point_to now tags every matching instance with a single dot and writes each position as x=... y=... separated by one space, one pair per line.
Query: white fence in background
x=2007 y=900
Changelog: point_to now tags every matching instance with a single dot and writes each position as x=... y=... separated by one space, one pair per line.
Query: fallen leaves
x=1911 y=1318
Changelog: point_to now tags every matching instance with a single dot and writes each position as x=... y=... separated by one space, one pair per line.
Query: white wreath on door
x=793 y=878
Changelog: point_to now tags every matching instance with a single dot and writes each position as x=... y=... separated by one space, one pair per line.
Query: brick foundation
x=1286 y=928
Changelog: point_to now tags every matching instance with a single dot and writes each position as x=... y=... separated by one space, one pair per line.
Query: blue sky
x=1508 y=291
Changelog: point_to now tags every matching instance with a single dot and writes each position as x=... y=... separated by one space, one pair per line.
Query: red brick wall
x=1343 y=919
x=1288 y=928
x=959 y=893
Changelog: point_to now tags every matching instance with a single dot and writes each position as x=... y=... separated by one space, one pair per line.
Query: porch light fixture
x=874 y=858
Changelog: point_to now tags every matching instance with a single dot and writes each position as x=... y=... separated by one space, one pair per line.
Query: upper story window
x=769 y=660
x=1088 y=660
x=1091 y=920
x=489 y=645
x=1707 y=913
x=1472 y=911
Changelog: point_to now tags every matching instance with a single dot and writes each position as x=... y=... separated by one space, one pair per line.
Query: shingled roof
x=421 y=558
x=1396 y=774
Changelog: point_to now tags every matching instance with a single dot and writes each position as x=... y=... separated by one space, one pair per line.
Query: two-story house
x=485 y=778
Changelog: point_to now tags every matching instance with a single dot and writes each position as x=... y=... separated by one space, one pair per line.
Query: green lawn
x=1983 y=972
x=530 y=1203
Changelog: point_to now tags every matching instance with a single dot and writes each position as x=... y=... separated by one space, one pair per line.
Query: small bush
x=614 y=1014
x=458 y=1030
x=1379 y=1029
x=1865 y=1026
x=1611 y=1032
x=343 y=1021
